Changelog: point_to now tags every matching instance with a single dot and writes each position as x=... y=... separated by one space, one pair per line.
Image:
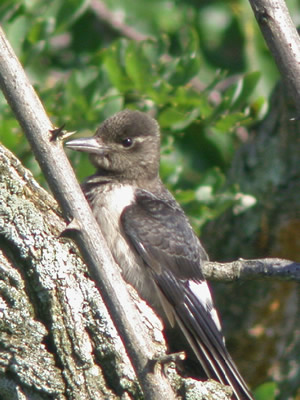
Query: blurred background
x=230 y=137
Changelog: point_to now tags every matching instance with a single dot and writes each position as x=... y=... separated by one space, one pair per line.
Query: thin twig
x=111 y=18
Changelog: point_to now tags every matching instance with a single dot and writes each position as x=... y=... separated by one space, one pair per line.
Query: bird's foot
x=165 y=360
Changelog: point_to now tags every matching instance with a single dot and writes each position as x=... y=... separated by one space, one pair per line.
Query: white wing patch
x=201 y=290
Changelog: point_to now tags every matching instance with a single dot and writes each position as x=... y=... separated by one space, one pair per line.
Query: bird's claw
x=165 y=360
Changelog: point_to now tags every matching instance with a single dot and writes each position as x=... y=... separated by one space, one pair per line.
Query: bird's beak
x=89 y=145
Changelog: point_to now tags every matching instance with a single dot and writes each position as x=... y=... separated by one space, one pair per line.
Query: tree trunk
x=267 y=167
x=57 y=340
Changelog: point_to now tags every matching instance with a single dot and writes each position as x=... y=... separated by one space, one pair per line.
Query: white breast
x=108 y=207
x=117 y=198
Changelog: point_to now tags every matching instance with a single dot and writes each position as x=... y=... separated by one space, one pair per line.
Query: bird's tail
x=190 y=304
x=208 y=345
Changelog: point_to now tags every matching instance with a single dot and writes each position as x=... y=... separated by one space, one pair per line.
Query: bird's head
x=126 y=145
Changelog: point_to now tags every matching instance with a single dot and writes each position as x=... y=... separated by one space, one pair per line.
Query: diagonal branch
x=60 y=176
x=282 y=39
x=63 y=183
x=104 y=14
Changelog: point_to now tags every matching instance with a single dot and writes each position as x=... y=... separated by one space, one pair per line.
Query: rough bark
x=282 y=39
x=60 y=176
x=57 y=340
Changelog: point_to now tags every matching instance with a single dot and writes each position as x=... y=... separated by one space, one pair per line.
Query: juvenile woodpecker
x=151 y=239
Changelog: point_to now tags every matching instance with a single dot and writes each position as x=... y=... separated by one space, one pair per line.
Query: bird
x=151 y=239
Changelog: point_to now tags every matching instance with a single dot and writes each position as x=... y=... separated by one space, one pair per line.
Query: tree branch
x=62 y=181
x=104 y=14
x=29 y=226
x=266 y=268
x=282 y=39
x=46 y=295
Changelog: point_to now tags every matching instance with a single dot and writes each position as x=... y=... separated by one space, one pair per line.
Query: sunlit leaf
x=266 y=391
x=228 y=122
x=248 y=84
x=114 y=63
x=138 y=66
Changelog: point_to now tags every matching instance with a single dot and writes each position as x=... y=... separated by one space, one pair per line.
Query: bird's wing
x=162 y=236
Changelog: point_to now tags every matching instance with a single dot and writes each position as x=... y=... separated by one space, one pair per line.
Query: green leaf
x=176 y=118
x=186 y=69
x=138 y=66
x=169 y=117
x=188 y=64
x=111 y=103
x=228 y=122
x=68 y=11
x=213 y=177
x=188 y=97
x=248 y=84
x=185 y=196
x=113 y=60
x=171 y=168
x=16 y=33
x=266 y=391
x=223 y=142
x=160 y=92
x=39 y=30
x=205 y=109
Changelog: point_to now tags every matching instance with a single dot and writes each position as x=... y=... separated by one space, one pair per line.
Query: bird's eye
x=127 y=142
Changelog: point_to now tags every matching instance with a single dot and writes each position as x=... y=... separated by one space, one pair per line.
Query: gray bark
x=57 y=340
x=282 y=39
x=63 y=183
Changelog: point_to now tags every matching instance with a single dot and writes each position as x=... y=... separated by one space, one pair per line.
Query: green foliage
x=204 y=73
x=195 y=74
